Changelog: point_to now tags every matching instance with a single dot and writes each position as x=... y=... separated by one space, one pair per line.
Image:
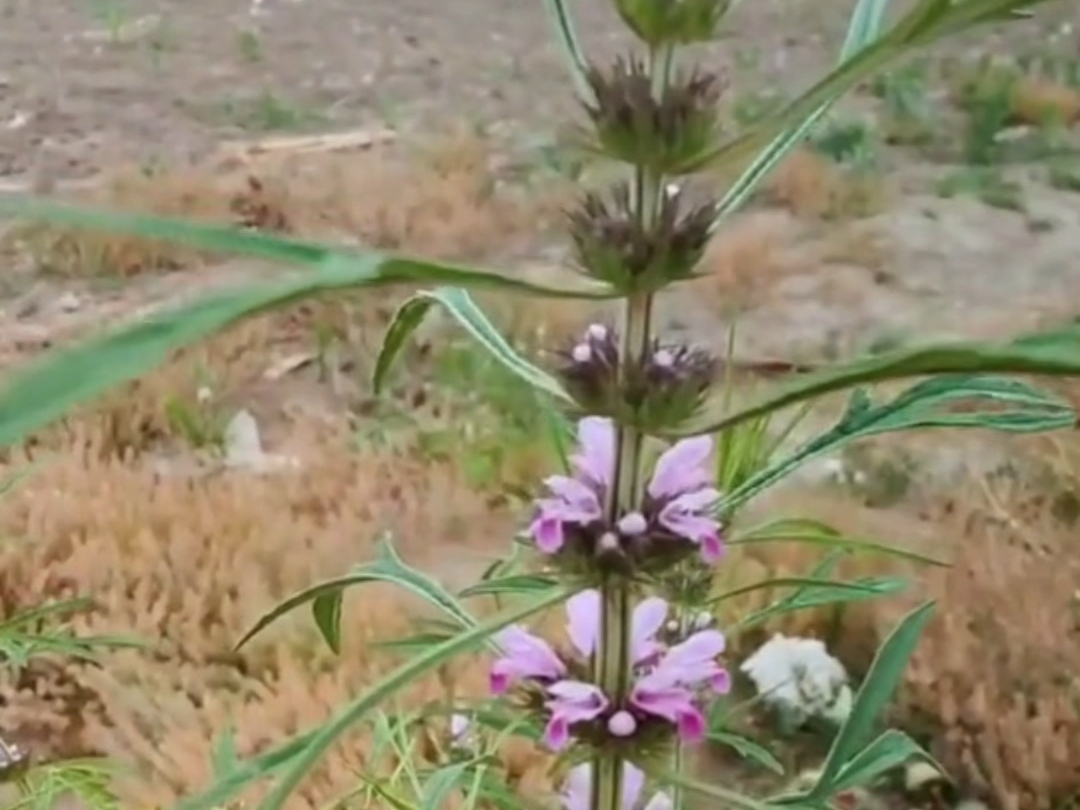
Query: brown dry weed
x=992 y=687
x=445 y=200
x=187 y=564
x=811 y=185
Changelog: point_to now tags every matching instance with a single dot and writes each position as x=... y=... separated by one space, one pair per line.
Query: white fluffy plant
x=800 y=680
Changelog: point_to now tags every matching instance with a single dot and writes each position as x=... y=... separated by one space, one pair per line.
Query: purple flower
x=577 y=789
x=668 y=684
x=682 y=494
x=571 y=702
x=525 y=657
x=671 y=689
x=574 y=701
x=577 y=500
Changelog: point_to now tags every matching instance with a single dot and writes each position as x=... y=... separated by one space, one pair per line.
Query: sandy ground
x=85 y=86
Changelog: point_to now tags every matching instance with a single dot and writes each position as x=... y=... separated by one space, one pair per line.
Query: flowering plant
x=630 y=542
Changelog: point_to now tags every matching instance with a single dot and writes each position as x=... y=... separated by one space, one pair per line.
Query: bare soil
x=172 y=87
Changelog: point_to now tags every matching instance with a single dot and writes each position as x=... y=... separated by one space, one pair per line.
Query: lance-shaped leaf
x=1007 y=405
x=464 y=310
x=48 y=388
x=387 y=567
x=1053 y=354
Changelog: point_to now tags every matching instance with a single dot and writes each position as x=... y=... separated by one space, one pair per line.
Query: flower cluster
x=661 y=390
x=675 y=515
x=667 y=683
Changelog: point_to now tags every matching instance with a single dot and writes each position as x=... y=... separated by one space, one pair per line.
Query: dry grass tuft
x=994 y=682
x=187 y=564
x=811 y=185
x=1037 y=101
x=992 y=687
x=444 y=200
x=748 y=257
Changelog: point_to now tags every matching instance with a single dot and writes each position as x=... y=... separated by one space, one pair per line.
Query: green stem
x=613 y=664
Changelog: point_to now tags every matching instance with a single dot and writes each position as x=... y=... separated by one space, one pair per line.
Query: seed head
x=665 y=134
x=612 y=244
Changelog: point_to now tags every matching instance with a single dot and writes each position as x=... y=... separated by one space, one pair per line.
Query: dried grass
x=811 y=185
x=187 y=564
x=444 y=200
x=748 y=257
x=992 y=687
x=1036 y=101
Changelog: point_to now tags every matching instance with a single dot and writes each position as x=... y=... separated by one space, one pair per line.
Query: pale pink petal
x=576 y=496
x=525 y=656
x=596 y=457
x=659 y=801
x=682 y=468
x=721 y=682
x=704 y=645
x=633 y=780
x=547 y=531
x=691 y=725
x=711 y=548
x=577 y=788
x=583 y=625
x=647 y=620
x=557 y=732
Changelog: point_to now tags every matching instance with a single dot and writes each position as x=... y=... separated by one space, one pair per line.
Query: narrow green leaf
x=559 y=12
x=461 y=306
x=386 y=567
x=406 y=320
x=748 y=749
x=925 y=405
x=515 y=583
x=224 y=760
x=885 y=675
x=812 y=532
x=442 y=783
x=326 y=610
x=247 y=772
x=861 y=588
x=863 y=29
x=46 y=389
x=299 y=767
x=891 y=750
x=833 y=593
x=1052 y=354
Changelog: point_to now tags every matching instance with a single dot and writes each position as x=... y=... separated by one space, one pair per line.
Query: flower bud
x=660 y=393
x=673 y=22
x=665 y=134
x=622 y=724
x=671 y=385
x=612 y=244
x=590 y=369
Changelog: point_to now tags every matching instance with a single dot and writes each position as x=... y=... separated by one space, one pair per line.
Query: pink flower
x=683 y=496
x=670 y=690
x=571 y=702
x=574 y=701
x=668 y=681
x=577 y=500
x=577 y=789
x=526 y=657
